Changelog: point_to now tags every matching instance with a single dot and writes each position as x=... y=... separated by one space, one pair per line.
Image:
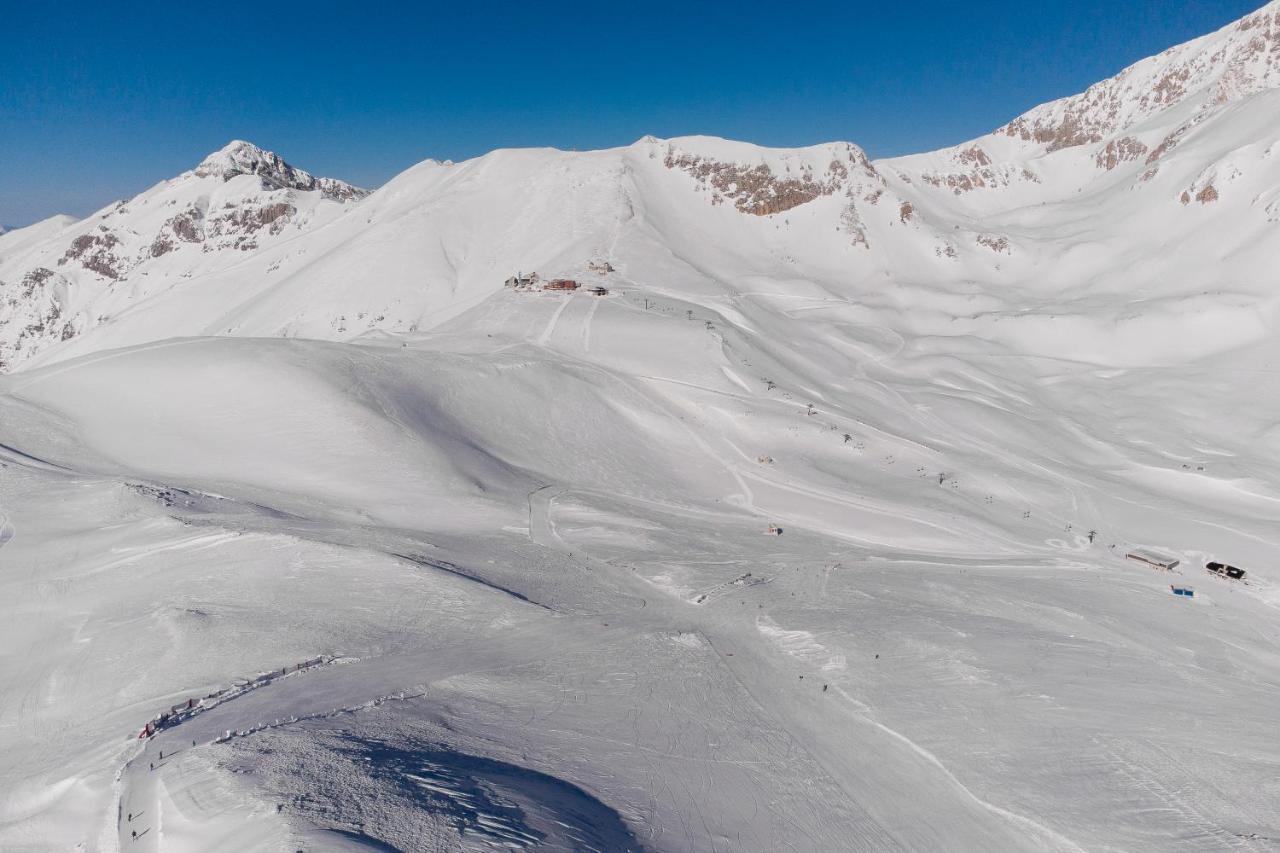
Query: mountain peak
x=1239 y=60
x=239 y=157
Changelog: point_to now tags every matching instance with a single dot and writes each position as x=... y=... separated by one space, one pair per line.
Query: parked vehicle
x=1226 y=571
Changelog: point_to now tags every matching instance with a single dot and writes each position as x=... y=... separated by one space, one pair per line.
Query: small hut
x=1153 y=559
x=561 y=284
x=519 y=281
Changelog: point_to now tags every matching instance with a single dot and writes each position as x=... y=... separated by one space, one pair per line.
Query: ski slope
x=520 y=535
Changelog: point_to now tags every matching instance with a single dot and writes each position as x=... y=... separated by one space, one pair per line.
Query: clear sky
x=98 y=100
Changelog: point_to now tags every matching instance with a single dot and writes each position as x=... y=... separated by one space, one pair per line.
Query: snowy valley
x=802 y=522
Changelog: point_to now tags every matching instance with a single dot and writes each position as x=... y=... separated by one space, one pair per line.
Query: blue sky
x=100 y=100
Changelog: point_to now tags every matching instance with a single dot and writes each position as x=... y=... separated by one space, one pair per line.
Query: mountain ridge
x=832 y=213
x=1240 y=59
x=743 y=498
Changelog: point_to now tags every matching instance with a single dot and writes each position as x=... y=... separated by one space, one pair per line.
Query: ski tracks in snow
x=586 y=324
x=545 y=337
x=582 y=319
x=1026 y=824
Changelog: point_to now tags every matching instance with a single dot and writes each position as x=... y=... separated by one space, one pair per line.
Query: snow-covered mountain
x=245 y=244
x=803 y=523
x=61 y=278
x=1240 y=60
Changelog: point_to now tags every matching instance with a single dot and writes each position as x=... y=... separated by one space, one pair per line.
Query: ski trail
x=198 y=542
x=545 y=337
x=586 y=324
x=730 y=468
x=63 y=367
x=1059 y=840
x=6 y=528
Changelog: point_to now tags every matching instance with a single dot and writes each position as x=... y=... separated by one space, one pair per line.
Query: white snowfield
x=514 y=536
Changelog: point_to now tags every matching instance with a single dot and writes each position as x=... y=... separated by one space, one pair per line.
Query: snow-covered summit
x=1241 y=59
x=249 y=244
x=62 y=277
x=244 y=158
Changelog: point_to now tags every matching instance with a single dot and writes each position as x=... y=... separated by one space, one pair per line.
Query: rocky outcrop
x=94 y=253
x=994 y=243
x=1119 y=151
x=976 y=170
x=147 y=236
x=752 y=189
x=239 y=228
x=30 y=313
x=987 y=177
x=756 y=189
x=1237 y=61
x=244 y=158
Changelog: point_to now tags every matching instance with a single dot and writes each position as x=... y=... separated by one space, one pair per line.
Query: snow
x=15 y=240
x=524 y=527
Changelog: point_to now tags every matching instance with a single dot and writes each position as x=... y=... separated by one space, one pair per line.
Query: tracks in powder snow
x=149 y=784
x=6 y=528
x=837 y=733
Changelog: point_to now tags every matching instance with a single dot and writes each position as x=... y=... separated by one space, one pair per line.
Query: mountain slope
x=61 y=278
x=809 y=532
x=1239 y=60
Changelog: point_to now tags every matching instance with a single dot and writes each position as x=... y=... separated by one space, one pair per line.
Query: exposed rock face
x=1118 y=151
x=757 y=190
x=752 y=189
x=94 y=252
x=187 y=226
x=987 y=177
x=977 y=171
x=243 y=158
x=994 y=243
x=148 y=236
x=1166 y=145
x=763 y=189
x=973 y=156
x=852 y=223
x=1237 y=61
x=37 y=278
x=30 y=311
x=240 y=226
